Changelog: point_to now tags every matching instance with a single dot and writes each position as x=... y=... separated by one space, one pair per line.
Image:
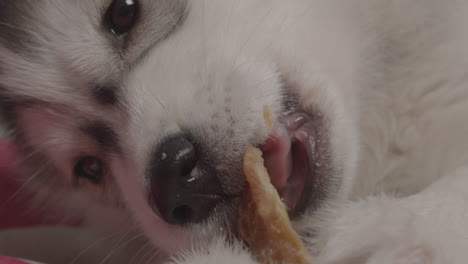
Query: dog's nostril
x=184 y=189
x=183 y=214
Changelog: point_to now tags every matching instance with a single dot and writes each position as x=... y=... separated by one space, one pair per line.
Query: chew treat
x=264 y=222
x=267 y=117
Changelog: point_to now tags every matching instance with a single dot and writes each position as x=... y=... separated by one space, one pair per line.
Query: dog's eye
x=89 y=168
x=122 y=15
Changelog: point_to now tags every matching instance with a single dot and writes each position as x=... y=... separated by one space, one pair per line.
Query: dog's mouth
x=292 y=157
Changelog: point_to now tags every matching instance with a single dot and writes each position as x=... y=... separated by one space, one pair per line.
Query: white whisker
x=27 y=182
x=138 y=253
x=121 y=244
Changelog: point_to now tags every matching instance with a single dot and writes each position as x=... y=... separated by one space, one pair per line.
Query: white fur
x=389 y=76
x=413 y=131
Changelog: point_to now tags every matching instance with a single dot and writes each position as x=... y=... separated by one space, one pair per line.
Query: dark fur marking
x=106 y=95
x=102 y=133
x=15 y=35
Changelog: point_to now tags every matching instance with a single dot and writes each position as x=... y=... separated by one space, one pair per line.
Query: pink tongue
x=277 y=156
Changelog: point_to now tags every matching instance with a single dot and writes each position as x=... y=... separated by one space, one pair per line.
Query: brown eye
x=122 y=15
x=89 y=168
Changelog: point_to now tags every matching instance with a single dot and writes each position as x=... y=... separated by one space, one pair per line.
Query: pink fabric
x=6 y=260
x=13 y=199
x=9 y=210
x=12 y=203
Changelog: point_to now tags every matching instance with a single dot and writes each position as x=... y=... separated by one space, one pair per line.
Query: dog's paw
x=218 y=252
x=429 y=227
x=419 y=254
x=376 y=231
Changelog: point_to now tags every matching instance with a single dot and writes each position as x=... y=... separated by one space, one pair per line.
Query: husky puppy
x=142 y=110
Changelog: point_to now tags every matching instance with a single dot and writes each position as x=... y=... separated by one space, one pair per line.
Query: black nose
x=184 y=189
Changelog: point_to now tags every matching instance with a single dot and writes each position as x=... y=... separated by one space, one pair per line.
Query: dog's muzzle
x=184 y=189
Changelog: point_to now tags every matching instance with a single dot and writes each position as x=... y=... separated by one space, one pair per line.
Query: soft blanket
x=13 y=200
